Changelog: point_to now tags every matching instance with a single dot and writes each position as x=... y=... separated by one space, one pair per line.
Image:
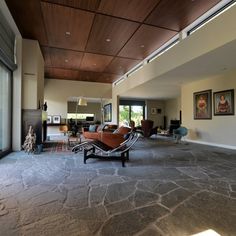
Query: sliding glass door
x=5 y=109
x=131 y=112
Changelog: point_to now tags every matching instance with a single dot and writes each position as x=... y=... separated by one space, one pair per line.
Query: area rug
x=56 y=146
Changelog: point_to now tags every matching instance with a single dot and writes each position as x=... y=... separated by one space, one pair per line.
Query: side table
x=74 y=140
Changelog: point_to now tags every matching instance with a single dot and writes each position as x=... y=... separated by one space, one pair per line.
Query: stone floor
x=165 y=189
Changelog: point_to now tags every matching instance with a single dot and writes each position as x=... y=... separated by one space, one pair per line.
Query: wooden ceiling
x=100 y=40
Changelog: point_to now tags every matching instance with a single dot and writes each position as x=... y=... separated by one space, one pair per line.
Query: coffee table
x=74 y=140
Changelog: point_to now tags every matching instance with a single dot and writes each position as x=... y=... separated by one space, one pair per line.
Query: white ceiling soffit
x=215 y=63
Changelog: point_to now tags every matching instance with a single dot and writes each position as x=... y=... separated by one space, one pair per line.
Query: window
x=80 y=116
x=5 y=109
x=131 y=110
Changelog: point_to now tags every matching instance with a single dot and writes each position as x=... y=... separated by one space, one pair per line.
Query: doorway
x=131 y=110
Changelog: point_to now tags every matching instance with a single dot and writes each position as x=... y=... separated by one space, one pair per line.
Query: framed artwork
x=49 y=119
x=56 y=119
x=153 y=111
x=224 y=102
x=158 y=111
x=202 y=105
x=108 y=112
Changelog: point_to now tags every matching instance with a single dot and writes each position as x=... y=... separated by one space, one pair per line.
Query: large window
x=80 y=116
x=131 y=110
x=5 y=109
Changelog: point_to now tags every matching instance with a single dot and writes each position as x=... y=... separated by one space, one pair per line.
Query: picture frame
x=49 y=119
x=202 y=105
x=224 y=102
x=56 y=119
x=153 y=111
x=107 y=109
x=158 y=110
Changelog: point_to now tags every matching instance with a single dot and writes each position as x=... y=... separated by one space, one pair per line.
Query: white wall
x=33 y=75
x=91 y=108
x=172 y=109
x=221 y=130
x=57 y=92
x=157 y=118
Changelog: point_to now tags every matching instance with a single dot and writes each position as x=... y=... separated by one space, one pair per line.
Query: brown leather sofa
x=116 y=138
x=91 y=135
x=111 y=139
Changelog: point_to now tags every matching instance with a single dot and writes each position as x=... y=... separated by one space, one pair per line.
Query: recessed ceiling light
x=66 y=60
x=142 y=46
x=67 y=33
x=108 y=40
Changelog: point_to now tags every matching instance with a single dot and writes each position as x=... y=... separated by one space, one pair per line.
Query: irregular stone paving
x=165 y=189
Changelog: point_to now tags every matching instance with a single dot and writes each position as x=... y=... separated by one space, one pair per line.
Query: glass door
x=131 y=112
x=5 y=109
x=124 y=115
x=137 y=114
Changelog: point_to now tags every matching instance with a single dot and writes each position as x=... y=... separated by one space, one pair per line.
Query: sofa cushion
x=92 y=128
x=122 y=130
x=100 y=128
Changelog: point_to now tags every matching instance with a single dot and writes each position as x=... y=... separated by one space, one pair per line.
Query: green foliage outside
x=136 y=115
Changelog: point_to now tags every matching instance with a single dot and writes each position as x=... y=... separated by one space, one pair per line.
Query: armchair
x=147 y=128
x=179 y=133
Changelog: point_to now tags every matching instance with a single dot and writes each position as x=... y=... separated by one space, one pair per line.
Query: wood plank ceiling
x=100 y=40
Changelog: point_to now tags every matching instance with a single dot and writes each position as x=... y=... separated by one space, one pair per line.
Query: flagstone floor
x=165 y=189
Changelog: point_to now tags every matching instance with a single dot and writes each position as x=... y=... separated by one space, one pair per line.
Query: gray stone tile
x=97 y=195
x=35 y=214
x=132 y=222
x=105 y=180
x=127 y=223
x=119 y=207
x=142 y=198
x=56 y=194
x=59 y=225
x=109 y=171
x=165 y=188
x=202 y=211
x=148 y=185
x=77 y=198
x=193 y=172
x=150 y=231
x=92 y=218
x=175 y=197
x=119 y=191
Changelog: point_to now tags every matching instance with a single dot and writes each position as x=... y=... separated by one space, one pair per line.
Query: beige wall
x=57 y=93
x=91 y=108
x=157 y=118
x=172 y=109
x=221 y=129
x=33 y=74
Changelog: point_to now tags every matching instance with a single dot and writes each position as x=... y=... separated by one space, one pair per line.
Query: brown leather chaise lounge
x=98 y=149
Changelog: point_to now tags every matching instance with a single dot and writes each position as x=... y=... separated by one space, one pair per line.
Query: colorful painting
x=202 y=105
x=224 y=102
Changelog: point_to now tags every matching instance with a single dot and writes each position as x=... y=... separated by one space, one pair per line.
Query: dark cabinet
x=35 y=119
